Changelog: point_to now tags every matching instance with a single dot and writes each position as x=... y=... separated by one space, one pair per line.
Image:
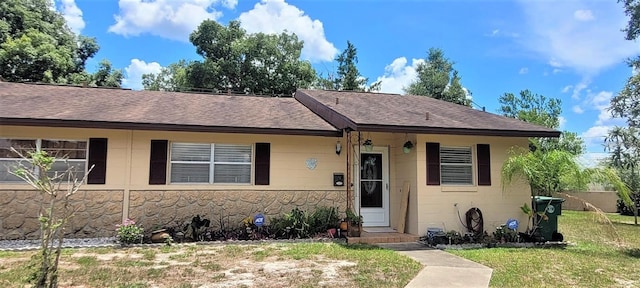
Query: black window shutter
x=97 y=159
x=484 y=165
x=263 y=158
x=433 y=163
x=158 y=162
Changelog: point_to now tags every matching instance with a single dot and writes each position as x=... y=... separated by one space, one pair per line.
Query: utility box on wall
x=338 y=179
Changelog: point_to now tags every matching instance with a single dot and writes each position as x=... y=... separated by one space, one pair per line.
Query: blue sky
x=571 y=50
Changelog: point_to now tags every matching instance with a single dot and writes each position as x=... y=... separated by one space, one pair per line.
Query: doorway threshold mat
x=379 y=230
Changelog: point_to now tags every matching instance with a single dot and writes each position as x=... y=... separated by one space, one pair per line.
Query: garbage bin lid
x=547 y=199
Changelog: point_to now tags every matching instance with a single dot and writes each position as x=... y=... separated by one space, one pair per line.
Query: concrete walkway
x=441 y=268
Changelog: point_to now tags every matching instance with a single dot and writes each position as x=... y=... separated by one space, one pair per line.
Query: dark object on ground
x=624 y=209
x=557 y=237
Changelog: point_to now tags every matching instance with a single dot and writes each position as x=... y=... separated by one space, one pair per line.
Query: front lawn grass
x=597 y=259
x=260 y=265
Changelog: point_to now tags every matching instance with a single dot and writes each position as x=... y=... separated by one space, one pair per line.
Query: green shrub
x=324 y=218
x=129 y=232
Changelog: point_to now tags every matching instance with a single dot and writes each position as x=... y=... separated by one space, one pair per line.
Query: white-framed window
x=74 y=152
x=456 y=165
x=210 y=163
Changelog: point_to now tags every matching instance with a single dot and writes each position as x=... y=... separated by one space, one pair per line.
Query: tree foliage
x=438 y=79
x=37 y=45
x=55 y=211
x=540 y=110
x=237 y=61
x=553 y=171
x=632 y=9
x=171 y=78
x=623 y=143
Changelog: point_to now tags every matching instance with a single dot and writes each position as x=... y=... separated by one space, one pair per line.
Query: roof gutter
x=456 y=131
x=164 y=127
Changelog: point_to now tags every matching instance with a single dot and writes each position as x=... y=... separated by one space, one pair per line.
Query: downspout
x=127 y=179
x=359 y=166
x=348 y=172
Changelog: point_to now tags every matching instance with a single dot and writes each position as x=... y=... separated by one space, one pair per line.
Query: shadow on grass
x=359 y=246
x=632 y=252
x=624 y=223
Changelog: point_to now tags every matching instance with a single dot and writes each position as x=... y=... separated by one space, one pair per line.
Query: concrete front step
x=375 y=238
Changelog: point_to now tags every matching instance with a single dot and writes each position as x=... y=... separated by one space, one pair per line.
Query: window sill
x=209 y=184
x=457 y=188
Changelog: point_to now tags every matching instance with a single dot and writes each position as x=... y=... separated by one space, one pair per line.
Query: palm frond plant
x=555 y=171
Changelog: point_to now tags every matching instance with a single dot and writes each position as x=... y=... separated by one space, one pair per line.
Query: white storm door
x=373 y=187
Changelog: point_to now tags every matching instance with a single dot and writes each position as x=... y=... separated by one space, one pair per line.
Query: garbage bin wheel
x=557 y=237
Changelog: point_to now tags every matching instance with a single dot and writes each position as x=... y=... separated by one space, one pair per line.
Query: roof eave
x=455 y=131
x=325 y=112
x=164 y=127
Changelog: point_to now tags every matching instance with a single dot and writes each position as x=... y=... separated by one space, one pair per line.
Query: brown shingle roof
x=407 y=113
x=69 y=106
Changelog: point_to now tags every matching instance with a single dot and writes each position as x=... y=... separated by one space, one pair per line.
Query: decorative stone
x=153 y=196
x=13 y=221
x=6 y=197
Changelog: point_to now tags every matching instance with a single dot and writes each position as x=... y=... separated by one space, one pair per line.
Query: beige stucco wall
x=605 y=200
x=95 y=213
x=288 y=156
x=437 y=204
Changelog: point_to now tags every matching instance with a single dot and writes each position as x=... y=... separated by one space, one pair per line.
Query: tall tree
x=540 y=110
x=623 y=143
x=237 y=61
x=37 y=45
x=438 y=79
x=347 y=77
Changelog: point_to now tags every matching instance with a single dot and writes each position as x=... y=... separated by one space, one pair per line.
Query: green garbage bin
x=547 y=229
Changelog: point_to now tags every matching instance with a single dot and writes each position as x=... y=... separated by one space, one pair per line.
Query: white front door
x=372 y=196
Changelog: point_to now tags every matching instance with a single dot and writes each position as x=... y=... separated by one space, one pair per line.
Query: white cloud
x=582 y=85
x=523 y=70
x=595 y=135
x=562 y=121
x=567 y=88
x=72 y=14
x=556 y=70
x=135 y=70
x=583 y=15
x=229 y=3
x=601 y=102
x=584 y=46
x=555 y=63
x=276 y=16
x=500 y=33
x=592 y=159
x=398 y=75
x=171 y=19
x=577 y=109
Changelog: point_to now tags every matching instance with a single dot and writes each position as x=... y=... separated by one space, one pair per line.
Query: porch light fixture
x=338 y=148
x=406 y=148
x=368 y=145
